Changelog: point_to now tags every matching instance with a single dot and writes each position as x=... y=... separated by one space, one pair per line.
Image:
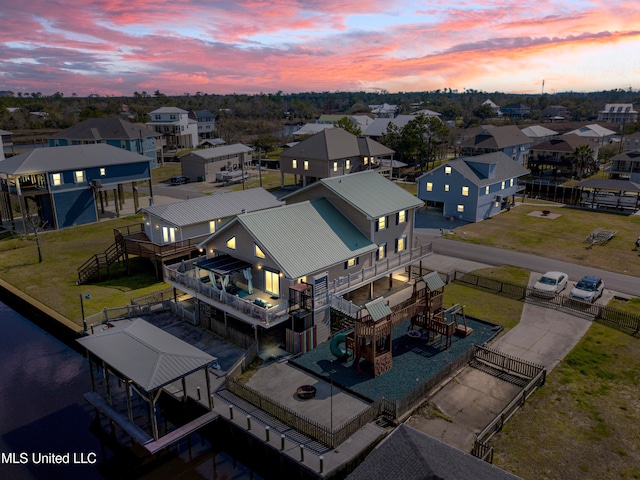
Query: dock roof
x=146 y=354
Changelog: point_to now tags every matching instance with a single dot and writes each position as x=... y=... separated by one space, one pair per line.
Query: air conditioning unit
x=97 y=183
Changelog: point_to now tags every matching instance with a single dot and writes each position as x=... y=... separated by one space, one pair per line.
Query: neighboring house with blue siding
x=508 y=139
x=69 y=186
x=112 y=131
x=472 y=188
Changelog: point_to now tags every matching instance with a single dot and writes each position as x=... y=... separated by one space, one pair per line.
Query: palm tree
x=582 y=160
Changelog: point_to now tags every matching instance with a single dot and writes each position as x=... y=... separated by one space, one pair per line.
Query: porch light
x=200 y=250
x=211 y=250
x=259 y=266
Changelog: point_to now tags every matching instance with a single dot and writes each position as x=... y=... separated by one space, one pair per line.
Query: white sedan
x=551 y=283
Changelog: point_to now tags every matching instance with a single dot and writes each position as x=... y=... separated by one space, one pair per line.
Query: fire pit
x=306 y=392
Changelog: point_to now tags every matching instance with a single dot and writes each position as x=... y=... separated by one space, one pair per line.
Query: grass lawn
x=52 y=282
x=562 y=238
x=585 y=421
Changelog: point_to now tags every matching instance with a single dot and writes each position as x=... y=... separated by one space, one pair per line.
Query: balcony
x=256 y=308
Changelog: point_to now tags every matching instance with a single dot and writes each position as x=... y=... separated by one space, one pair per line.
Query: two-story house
x=331 y=153
x=618 y=113
x=177 y=129
x=516 y=110
x=72 y=185
x=291 y=263
x=538 y=134
x=206 y=123
x=509 y=140
x=173 y=230
x=206 y=164
x=626 y=166
x=557 y=155
x=631 y=142
x=472 y=188
x=555 y=113
x=597 y=134
x=112 y=131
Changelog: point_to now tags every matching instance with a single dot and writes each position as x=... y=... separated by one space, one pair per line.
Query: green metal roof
x=305 y=237
x=371 y=193
x=145 y=353
x=378 y=309
x=434 y=281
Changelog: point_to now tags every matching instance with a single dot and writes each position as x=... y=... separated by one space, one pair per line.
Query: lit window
x=446 y=188
x=366 y=160
x=231 y=243
x=79 y=176
x=429 y=187
x=460 y=208
x=56 y=179
x=258 y=252
x=352 y=262
x=382 y=251
x=401 y=243
x=335 y=166
x=212 y=226
x=511 y=182
x=502 y=187
x=465 y=191
x=347 y=164
x=447 y=170
x=382 y=223
x=306 y=164
x=103 y=172
x=294 y=163
x=402 y=216
x=486 y=190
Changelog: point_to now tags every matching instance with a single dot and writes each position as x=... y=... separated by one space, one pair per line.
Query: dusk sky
x=118 y=47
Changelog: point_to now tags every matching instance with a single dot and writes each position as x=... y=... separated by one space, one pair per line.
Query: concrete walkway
x=470 y=401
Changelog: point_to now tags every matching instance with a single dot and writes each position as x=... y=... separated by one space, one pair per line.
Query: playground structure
x=370 y=340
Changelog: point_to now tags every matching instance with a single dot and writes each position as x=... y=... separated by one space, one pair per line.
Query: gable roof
x=168 y=110
x=145 y=353
x=303 y=238
x=506 y=168
x=97 y=129
x=537 y=131
x=210 y=207
x=221 y=151
x=369 y=192
x=73 y=157
x=409 y=454
x=378 y=309
x=593 y=130
x=333 y=144
x=497 y=138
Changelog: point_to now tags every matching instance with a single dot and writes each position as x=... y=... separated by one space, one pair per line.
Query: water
x=43 y=412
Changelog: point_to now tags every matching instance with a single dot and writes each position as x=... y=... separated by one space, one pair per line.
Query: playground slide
x=338 y=346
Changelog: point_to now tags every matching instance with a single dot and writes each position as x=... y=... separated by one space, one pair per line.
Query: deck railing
x=182 y=275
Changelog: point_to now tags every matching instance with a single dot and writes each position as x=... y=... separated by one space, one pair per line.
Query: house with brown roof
x=557 y=154
x=331 y=153
x=509 y=140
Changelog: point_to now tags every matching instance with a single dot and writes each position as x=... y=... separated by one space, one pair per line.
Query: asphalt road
x=617 y=282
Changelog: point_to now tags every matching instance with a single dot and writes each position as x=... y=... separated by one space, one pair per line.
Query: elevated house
x=618 y=113
x=509 y=140
x=69 y=186
x=557 y=155
x=290 y=264
x=516 y=110
x=112 y=131
x=177 y=129
x=6 y=140
x=472 y=188
x=538 y=134
x=626 y=166
x=597 y=134
x=206 y=123
x=205 y=164
x=331 y=153
x=172 y=231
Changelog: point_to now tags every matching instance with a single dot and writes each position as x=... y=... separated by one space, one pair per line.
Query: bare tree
x=36 y=226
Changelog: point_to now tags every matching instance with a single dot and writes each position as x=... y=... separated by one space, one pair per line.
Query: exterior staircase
x=100 y=261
